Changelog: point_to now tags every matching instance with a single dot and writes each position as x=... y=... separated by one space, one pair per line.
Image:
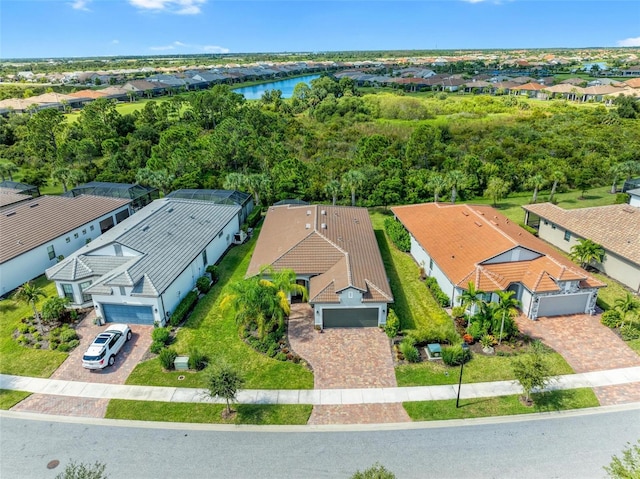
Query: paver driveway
x=345 y=358
x=72 y=370
x=587 y=346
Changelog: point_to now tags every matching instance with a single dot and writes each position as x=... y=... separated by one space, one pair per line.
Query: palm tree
x=536 y=182
x=332 y=188
x=259 y=185
x=436 y=183
x=586 y=251
x=235 y=181
x=30 y=293
x=456 y=180
x=557 y=176
x=497 y=188
x=627 y=305
x=471 y=298
x=615 y=171
x=507 y=305
x=284 y=281
x=7 y=168
x=351 y=181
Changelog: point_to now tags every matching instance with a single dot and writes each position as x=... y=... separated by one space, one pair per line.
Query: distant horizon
x=143 y=28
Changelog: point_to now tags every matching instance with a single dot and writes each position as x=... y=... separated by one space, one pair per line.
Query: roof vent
x=307 y=226
x=308 y=212
x=170 y=210
x=10 y=213
x=323 y=226
x=146 y=228
x=33 y=205
x=478 y=224
x=323 y=212
x=465 y=213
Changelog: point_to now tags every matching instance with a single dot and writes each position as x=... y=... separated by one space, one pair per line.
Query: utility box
x=181 y=363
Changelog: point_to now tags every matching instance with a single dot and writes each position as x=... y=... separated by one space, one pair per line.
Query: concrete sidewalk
x=313 y=396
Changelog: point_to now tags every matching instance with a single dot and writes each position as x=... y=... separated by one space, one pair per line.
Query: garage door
x=564 y=304
x=350 y=318
x=121 y=313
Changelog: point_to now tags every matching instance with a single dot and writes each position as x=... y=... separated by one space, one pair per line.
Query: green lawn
x=8 y=399
x=500 y=406
x=17 y=359
x=479 y=369
x=262 y=414
x=217 y=336
x=414 y=305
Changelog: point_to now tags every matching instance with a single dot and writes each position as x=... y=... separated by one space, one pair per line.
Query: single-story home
x=334 y=253
x=35 y=233
x=615 y=227
x=459 y=244
x=139 y=271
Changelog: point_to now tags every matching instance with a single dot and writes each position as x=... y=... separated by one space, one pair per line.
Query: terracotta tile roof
x=633 y=82
x=462 y=238
x=87 y=94
x=334 y=244
x=615 y=227
x=33 y=223
x=530 y=86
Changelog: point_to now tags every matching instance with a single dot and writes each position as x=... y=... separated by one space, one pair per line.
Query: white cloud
x=629 y=42
x=215 y=49
x=80 y=5
x=179 y=7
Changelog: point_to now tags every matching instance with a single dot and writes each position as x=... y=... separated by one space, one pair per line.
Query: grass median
x=8 y=398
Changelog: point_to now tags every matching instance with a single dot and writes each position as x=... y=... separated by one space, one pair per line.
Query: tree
x=586 y=251
x=557 y=176
x=421 y=145
x=507 y=305
x=332 y=188
x=627 y=305
x=54 y=309
x=532 y=372
x=377 y=471
x=627 y=467
x=30 y=293
x=436 y=183
x=159 y=179
x=351 y=181
x=7 y=168
x=627 y=106
x=224 y=382
x=471 y=299
x=536 y=182
x=457 y=181
x=76 y=470
x=284 y=281
x=44 y=129
x=497 y=188
x=615 y=171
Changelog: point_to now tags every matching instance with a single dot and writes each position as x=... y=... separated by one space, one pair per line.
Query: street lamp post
x=464 y=356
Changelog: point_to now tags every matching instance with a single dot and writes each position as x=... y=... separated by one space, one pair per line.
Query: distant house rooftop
x=22 y=188
x=138 y=194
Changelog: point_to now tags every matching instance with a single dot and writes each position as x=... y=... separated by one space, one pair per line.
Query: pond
x=285 y=86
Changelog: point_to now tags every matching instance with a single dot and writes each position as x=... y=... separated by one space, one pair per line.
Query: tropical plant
x=167 y=357
x=507 y=307
x=392 y=326
x=409 y=351
x=351 y=181
x=457 y=181
x=54 y=309
x=30 y=293
x=224 y=381
x=437 y=184
x=611 y=318
x=536 y=182
x=497 y=188
x=455 y=355
x=471 y=298
x=586 y=252
x=284 y=281
x=627 y=306
x=332 y=188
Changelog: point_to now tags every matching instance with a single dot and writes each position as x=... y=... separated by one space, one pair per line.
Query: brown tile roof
x=9 y=196
x=460 y=238
x=633 y=82
x=33 y=223
x=334 y=244
x=87 y=94
x=530 y=86
x=615 y=227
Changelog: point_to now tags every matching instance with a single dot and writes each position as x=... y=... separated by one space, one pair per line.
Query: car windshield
x=86 y=357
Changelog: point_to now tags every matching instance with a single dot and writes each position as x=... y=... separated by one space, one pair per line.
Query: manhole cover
x=180 y=378
x=53 y=464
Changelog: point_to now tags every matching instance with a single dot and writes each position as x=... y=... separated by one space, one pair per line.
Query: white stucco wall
x=634 y=200
x=423 y=259
x=33 y=263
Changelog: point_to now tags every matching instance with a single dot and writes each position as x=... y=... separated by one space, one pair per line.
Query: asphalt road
x=553 y=446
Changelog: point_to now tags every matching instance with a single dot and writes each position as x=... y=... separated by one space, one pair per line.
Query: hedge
x=398 y=234
x=183 y=308
x=254 y=217
x=438 y=294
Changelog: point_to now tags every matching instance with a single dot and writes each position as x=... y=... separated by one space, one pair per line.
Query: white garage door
x=563 y=304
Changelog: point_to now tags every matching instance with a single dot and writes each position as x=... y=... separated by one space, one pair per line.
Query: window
x=118 y=249
x=122 y=215
x=67 y=239
x=84 y=231
x=567 y=235
x=122 y=291
x=67 y=289
x=430 y=264
x=91 y=228
x=350 y=294
x=220 y=234
x=204 y=257
x=546 y=222
x=75 y=235
x=51 y=252
x=85 y=297
x=553 y=226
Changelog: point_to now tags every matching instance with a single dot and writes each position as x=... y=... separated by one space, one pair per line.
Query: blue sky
x=54 y=28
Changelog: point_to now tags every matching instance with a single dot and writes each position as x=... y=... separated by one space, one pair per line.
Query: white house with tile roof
x=615 y=227
x=459 y=244
x=138 y=272
x=34 y=233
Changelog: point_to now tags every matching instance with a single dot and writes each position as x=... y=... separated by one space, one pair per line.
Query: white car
x=102 y=351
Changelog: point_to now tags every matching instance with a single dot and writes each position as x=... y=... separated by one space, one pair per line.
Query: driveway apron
x=344 y=358
x=587 y=346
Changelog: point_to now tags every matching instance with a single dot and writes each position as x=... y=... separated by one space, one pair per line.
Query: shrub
x=203 y=284
x=622 y=198
x=55 y=332
x=54 y=308
x=436 y=292
x=183 y=308
x=398 y=234
x=629 y=332
x=476 y=330
x=53 y=344
x=156 y=347
x=409 y=351
x=197 y=360
x=37 y=336
x=487 y=340
x=455 y=355
x=393 y=324
x=457 y=312
x=167 y=357
x=467 y=338
x=161 y=335
x=37 y=346
x=611 y=318
x=22 y=339
x=212 y=269
x=67 y=335
x=64 y=347
x=73 y=343
x=254 y=218
x=23 y=328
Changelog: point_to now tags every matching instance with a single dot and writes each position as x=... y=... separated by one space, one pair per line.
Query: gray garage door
x=563 y=304
x=121 y=313
x=350 y=318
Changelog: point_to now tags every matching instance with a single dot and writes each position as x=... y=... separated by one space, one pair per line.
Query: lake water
x=285 y=86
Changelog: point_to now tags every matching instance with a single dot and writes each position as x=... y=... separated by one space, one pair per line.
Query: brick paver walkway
x=72 y=370
x=587 y=346
x=344 y=358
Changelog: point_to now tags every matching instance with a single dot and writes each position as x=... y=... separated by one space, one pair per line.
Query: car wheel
x=112 y=359
x=128 y=335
